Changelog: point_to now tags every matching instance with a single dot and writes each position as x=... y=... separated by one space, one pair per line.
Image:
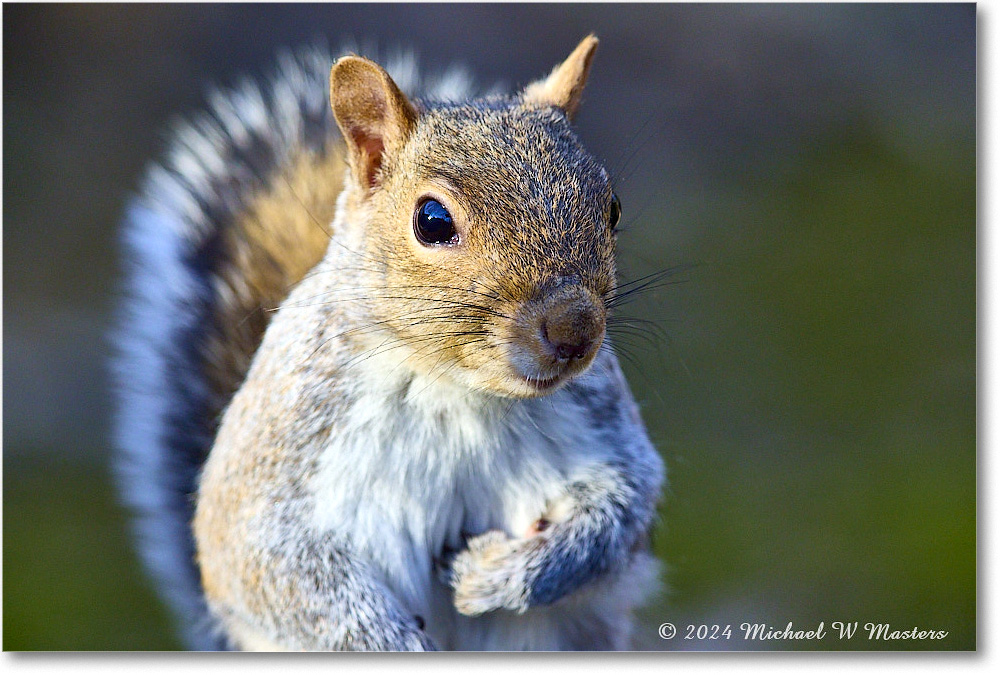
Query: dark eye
x=616 y=211
x=432 y=224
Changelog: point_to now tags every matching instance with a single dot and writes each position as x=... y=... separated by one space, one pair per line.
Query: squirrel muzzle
x=558 y=333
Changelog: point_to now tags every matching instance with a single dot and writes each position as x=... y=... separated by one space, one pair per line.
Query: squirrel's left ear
x=373 y=114
x=564 y=87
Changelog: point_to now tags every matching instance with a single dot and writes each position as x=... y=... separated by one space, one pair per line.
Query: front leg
x=593 y=530
x=274 y=581
x=310 y=595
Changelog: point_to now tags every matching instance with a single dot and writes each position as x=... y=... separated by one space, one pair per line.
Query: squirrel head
x=484 y=231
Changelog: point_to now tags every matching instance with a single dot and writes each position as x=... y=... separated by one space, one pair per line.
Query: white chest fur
x=415 y=463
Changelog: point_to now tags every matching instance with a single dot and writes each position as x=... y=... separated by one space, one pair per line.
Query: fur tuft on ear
x=563 y=88
x=374 y=116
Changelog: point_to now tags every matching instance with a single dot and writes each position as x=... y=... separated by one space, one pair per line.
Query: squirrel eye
x=433 y=225
x=616 y=211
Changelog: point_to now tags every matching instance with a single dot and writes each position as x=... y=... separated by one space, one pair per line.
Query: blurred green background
x=812 y=379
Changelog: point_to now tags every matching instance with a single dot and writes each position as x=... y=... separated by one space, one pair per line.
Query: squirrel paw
x=490 y=574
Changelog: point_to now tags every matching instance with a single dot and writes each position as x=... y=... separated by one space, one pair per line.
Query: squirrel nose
x=566 y=345
x=572 y=325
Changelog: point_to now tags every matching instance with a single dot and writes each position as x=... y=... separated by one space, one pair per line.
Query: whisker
x=628 y=291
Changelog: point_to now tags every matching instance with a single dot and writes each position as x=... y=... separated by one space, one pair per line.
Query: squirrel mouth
x=542 y=384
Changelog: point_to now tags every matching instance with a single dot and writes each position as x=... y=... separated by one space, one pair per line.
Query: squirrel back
x=222 y=229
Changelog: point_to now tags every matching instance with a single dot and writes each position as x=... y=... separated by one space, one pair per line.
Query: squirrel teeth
x=542 y=384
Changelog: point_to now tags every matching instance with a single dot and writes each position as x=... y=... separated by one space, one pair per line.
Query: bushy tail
x=238 y=212
x=193 y=315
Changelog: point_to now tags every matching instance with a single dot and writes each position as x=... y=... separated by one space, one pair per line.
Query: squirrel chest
x=419 y=466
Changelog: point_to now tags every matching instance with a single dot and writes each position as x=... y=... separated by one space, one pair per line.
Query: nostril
x=566 y=352
x=565 y=349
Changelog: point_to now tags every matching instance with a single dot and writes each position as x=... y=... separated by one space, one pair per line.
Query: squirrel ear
x=563 y=88
x=372 y=113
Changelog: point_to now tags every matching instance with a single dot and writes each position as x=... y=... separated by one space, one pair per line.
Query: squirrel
x=366 y=399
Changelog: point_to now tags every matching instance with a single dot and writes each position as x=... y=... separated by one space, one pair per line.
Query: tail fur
x=233 y=218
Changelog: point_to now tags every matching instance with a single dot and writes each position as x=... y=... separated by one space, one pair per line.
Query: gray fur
x=370 y=474
x=166 y=414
